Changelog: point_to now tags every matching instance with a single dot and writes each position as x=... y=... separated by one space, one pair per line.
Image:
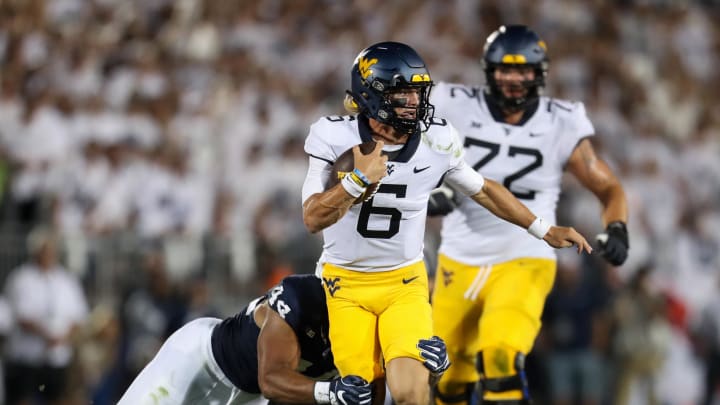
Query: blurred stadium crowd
x=159 y=145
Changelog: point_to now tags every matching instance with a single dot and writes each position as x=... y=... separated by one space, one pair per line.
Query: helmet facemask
x=533 y=88
x=400 y=113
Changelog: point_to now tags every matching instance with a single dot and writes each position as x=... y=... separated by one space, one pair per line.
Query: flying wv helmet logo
x=364 y=65
x=447 y=276
x=332 y=285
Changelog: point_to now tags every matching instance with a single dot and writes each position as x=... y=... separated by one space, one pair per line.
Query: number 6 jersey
x=528 y=159
x=385 y=232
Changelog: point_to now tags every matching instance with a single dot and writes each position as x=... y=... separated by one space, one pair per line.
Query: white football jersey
x=385 y=232
x=528 y=159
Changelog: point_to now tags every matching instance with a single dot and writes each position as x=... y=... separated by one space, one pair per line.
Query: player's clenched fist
x=349 y=390
x=614 y=243
x=371 y=165
x=434 y=352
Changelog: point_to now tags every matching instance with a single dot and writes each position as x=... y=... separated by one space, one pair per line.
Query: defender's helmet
x=382 y=69
x=519 y=46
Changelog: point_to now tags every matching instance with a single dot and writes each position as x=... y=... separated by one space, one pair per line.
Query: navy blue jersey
x=300 y=301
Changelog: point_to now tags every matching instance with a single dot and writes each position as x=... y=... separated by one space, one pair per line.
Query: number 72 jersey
x=528 y=159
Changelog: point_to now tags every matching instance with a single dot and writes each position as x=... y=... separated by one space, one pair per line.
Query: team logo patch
x=364 y=65
x=447 y=276
x=332 y=285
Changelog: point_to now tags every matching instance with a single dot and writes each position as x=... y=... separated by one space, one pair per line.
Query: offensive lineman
x=492 y=279
x=372 y=267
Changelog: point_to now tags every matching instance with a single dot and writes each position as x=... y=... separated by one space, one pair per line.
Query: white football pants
x=185 y=372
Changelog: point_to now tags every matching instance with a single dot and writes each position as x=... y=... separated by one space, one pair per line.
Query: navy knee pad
x=516 y=381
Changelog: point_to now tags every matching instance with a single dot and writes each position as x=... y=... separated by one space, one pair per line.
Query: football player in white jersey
x=371 y=265
x=492 y=278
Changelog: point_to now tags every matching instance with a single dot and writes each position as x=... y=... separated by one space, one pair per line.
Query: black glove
x=614 y=243
x=350 y=390
x=441 y=201
x=434 y=352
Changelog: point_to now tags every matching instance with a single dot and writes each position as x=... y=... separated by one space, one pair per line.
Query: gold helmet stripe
x=514 y=59
x=420 y=78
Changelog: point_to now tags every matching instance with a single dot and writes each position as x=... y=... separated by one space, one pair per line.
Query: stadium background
x=162 y=142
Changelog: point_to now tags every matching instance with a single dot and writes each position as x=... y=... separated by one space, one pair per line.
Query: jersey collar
x=401 y=156
x=497 y=113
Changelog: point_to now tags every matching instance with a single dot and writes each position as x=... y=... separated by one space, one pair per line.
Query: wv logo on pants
x=332 y=285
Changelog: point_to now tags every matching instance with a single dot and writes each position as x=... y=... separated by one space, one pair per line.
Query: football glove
x=434 y=352
x=614 y=243
x=350 y=390
x=441 y=201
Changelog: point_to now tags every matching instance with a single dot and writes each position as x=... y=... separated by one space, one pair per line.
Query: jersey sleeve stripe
x=560 y=106
x=330 y=162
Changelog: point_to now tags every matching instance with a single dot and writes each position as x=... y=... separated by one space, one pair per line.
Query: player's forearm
x=500 y=201
x=324 y=209
x=614 y=204
x=597 y=177
x=287 y=386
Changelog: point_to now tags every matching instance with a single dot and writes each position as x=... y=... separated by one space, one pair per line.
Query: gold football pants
x=491 y=309
x=376 y=317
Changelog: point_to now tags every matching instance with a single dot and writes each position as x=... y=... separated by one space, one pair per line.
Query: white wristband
x=322 y=392
x=351 y=187
x=539 y=228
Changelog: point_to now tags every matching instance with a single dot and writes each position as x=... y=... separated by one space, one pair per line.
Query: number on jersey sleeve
x=283 y=300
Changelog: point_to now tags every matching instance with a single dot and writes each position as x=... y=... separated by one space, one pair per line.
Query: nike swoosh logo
x=341 y=397
x=533 y=135
x=409 y=280
x=416 y=170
